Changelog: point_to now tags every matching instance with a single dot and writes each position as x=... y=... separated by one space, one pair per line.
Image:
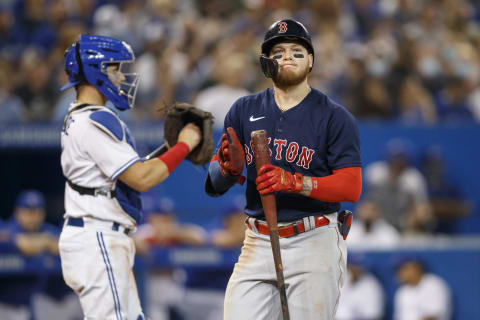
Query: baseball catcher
x=105 y=175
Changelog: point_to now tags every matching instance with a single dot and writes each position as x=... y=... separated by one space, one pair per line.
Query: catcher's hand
x=230 y=154
x=177 y=117
x=274 y=179
x=191 y=135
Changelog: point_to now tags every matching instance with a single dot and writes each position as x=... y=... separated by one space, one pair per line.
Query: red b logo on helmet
x=282 y=27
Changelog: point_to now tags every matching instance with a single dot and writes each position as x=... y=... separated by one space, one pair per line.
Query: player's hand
x=230 y=154
x=274 y=179
x=191 y=135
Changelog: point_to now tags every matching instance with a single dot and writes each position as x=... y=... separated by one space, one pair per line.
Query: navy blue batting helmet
x=287 y=30
x=87 y=60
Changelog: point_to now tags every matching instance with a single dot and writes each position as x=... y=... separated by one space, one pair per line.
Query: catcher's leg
x=96 y=264
x=251 y=292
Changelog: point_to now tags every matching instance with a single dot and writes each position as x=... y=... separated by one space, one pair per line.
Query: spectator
x=453 y=101
x=32 y=236
x=230 y=72
x=36 y=90
x=446 y=199
x=362 y=294
x=231 y=232
x=400 y=189
x=165 y=284
x=12 y=109
x=416 y=104
x=369 y=228
x=421 y=295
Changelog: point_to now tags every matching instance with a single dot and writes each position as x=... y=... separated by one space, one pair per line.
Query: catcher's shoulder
x=109 y=123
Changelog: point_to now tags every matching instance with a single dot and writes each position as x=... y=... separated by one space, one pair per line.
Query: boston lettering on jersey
x=282 y=149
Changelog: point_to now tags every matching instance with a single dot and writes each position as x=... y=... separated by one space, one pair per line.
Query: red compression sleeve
x=343 y=185
x=175 y=155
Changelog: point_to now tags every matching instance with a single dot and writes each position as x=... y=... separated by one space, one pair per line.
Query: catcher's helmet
x=88 y=59
x=284 y=30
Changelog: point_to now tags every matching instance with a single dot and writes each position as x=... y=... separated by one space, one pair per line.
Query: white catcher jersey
x=94 y=157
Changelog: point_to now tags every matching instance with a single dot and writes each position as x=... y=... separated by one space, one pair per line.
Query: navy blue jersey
x=314 y=138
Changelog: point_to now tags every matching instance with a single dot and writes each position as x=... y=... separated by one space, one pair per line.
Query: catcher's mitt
x=179 y=115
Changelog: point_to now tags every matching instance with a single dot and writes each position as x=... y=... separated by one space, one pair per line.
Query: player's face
x=30 y=219
x=294 y=63
x=115 y=75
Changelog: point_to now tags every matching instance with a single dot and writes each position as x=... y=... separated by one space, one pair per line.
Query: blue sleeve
x=343 y=141
x=215 y=183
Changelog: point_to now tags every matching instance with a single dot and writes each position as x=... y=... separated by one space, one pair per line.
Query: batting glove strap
x=306 y=186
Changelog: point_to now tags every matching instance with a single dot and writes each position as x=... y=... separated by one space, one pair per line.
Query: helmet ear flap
x=73 y=67
x=79 y=75
x=269 y=66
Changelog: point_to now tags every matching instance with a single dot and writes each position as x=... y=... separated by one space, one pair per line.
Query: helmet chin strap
x=269 y=66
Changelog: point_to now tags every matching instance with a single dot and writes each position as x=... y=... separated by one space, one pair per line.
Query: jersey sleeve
x=112 y=156
x=343 y=140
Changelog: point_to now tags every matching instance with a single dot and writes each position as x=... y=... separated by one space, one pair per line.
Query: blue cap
x=30 y=199
x=411 y=257
x=357 y=258
x=399 y=147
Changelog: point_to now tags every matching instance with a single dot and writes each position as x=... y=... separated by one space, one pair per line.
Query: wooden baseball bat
x=262 y=157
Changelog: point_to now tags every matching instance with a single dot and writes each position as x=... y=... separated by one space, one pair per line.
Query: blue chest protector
x=128 y=198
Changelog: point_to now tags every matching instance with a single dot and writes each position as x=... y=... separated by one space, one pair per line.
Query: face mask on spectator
x=377 y=67
x=429 y=67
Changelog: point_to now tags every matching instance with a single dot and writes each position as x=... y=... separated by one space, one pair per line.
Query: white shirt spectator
x=400 y=196
x=429 y=299
x=381 y=235
x=218 y=100
x=410 y=181
x=362 y=300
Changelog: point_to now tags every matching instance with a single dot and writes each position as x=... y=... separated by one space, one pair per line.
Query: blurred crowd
x=412 y=61
x=407 y=197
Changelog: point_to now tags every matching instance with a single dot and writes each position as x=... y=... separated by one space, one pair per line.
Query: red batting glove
x=230 y=154
x=274 y=179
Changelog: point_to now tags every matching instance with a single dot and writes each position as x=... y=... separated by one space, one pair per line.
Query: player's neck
x=88 y=94
x=287 y=98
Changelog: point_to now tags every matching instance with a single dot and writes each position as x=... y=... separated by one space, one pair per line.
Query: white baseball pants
x=97 y=264
x=314 y=264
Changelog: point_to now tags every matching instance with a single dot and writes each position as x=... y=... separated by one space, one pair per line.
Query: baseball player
x=104 y=177
x=29 y=235
x=315 y=155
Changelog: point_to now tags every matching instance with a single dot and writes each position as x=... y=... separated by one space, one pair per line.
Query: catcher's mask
x=286 y=30
x=88 y=59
